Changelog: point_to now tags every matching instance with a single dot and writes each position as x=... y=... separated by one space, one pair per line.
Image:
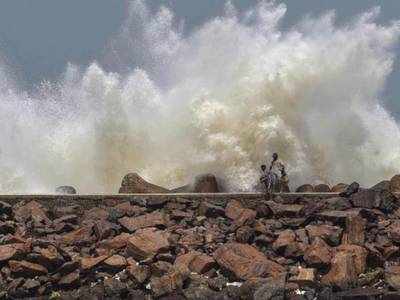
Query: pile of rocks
x=198 y=248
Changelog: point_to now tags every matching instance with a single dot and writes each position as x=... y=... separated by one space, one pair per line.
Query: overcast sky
x=38 y=38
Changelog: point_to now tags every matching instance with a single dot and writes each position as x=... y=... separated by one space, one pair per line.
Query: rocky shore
x=342 y=247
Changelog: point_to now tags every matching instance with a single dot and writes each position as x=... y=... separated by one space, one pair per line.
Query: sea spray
x=219 y=99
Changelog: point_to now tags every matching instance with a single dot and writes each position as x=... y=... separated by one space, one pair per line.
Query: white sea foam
x=219 y=99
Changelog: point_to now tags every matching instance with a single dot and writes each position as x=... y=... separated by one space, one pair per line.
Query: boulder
x=305 y=276
x=394 y=184
x=331 y=234
x=339 y=188
x=210 y=210
x=245 y=261
x=26 y=269
x=322 y=188
x=146 y=243
x=350 y=190
x=318 y=254
x=166 y=284
x=88 y=263
x=392 y=276
x=235 y=211
x=194 y=262
x=66 y=190
x=342 y=273
x=132 y=183
x=359 y=255
x=70 y=280
x=305 y=188
x=355 y=231
x=153 y=219
x=206 y=183
x=383 y=185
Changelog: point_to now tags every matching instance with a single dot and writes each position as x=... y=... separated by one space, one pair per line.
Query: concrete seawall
x=89 y=201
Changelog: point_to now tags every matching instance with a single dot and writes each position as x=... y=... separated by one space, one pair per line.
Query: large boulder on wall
x=206 y=183
x=394 y=184
x=132 y=183
x=66 y=190
x=305 y=188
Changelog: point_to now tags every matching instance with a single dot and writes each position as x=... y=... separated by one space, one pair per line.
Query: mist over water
x=219 y=99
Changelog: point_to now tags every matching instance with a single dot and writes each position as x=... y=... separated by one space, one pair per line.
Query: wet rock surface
x=179 y=247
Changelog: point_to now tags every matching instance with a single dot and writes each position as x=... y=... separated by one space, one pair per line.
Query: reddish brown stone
x=70 y=280
x=88 y=263
x=318 y=253
x=331 y=234
x=166 y=284
x=79 y=237
x=115 y=243
x=194 y=262
x=245 y=261
x=305 y=277
x=146 y=243
x=342 y=273
x=392 y=276
x=26 y=269
x=206 y=183
x=179 y=214
x=7 y=252
x=32 y=210
x=285 y=210
x=134 y=184
x=339 y=188
x=148 y=220
x=355 y=231
x=359 y=256
x=191 y=238
x=50 y=257
x=96 y=213
x=235 y=211
x=127 y=209
x=138 y=272
x=116 y=262
x=284 y=239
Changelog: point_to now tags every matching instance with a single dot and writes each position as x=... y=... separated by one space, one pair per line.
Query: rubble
x=182 y=247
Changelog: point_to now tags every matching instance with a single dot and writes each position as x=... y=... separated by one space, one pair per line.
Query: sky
x=38 y=38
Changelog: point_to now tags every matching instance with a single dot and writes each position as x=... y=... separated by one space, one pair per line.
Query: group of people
x=275 y=178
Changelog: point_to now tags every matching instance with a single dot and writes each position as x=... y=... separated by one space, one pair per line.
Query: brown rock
x=206 y=183
x=355 y=231
x=146 y=243
x=127 y=209
x=318 y=253
x=209 y=210
x=194 y=262
x=305 y=277
x=148 y=220
x=286 y=210
x=359 y=256
x=115 y=262
x=70 y=280
x=305 y=188
x=115 y=243
x=191 y=238
x=7 y=252
x=322 y=188
x=179 y=214
x=134 y=184
x=331 y=234
x=392 y=276
x=80 y=237
x=244 y=234
x=339 y=188
x=32 y=210
x=26 y=269
x=160 y=268
x=365 y=199
x=88 y=263
x=245 y=261
x=50 y=257
x=342 y=273
x=284 y=239
x=235 y=211
x=96 y=213
x=138 y=272
x=394 y=231
x=337 y=216
x=166 y=284
x=395 y=184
